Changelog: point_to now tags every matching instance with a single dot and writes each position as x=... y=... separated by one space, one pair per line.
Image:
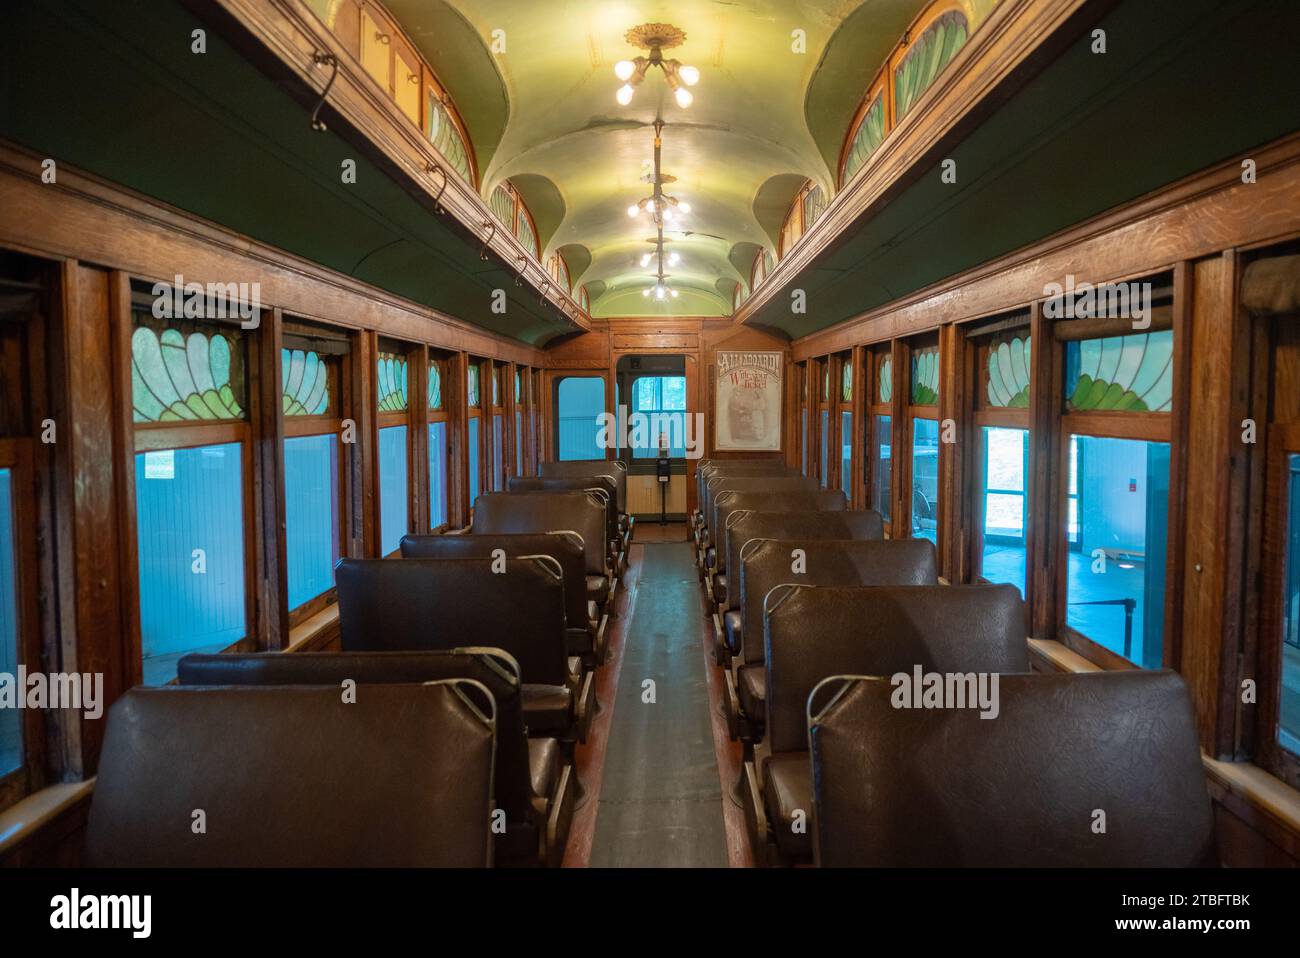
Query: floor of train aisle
x=660 y=800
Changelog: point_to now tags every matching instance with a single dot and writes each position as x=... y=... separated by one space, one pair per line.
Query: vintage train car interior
x=577 y=434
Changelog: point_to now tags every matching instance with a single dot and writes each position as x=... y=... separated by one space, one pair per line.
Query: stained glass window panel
x=446 y=138
x=390 y=371
x=870 y=134
x=925 y=376
x=473 y=384
x=1121 y=373
x=926 y=59
x=305 y=383
x=190 y=542
x=186 y=373
x=435 y=385
x=846 y=382
x=1008 y=373
x=885 y=380
x=503 y=205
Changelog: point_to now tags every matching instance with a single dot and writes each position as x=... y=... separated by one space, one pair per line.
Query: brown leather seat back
x=605 y=484
x=493 y=669
x=811 y=632
x=516 y=512
x=562 y=547
x=716 y=485
x=741 y=526
x=709 y=468
x=806 y=500
x=944 y=788
x=415 y=605
x=581 y=468
x=295 y=777
x=765 y=564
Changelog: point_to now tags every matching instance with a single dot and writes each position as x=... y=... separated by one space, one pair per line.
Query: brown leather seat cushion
x=544 y=762
x=787 y=789
x=573 y=468
x=731 y=500
x=753 y=691
x=720 y=589
x=731 y=625
x=548 y=709
x=524 y=512
x=944 y=787
x=292 y=776
x=597 y=589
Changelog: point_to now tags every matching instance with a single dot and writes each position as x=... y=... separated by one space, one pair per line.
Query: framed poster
x=747 y=405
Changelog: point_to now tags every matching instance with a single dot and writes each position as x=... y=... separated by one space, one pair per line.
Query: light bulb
x=674 y=292
x=645 y=292
x=684 y=97
x=690 y=76
x=633 y=210
x=673 y=259
x=624 y=69
x=668 y=216
x=624 y=95
x=659 y=292
x=645 y=260
x=683 y=207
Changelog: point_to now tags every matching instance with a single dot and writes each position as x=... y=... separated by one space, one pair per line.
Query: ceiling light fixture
x=660 y=207
x=656 y=37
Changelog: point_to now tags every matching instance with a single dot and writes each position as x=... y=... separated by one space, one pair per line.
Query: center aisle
x=661 y=800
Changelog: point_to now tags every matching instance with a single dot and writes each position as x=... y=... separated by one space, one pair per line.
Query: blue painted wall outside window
x=394 y=508
x=581 y=400
x=498 y=455
x=474 y=488
x=11 y=721
x=189 y=499
x=1115 y=584
x=311 y=500
x=437 y=474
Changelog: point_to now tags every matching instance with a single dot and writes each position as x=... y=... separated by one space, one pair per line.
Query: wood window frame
x=910 y=412
x=340 y=373
x=876 y=355
x=1137 y=426
x=842 y=362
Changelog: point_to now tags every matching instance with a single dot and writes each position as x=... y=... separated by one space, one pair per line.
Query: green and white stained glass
x=870 y=134
x=927 y=58
x=473 y=384
x=391 y=370
x=180 y=377
x=885 y=379
x=503 y=206
x=305 y=383
x=1121 y=373
x=925 y=376
x=826 y=383
x=524 y=233
x=435 y=385
x=446 y=138
x=814 y=203
x=1008 y=370
x=846 y=383
x=519 y=386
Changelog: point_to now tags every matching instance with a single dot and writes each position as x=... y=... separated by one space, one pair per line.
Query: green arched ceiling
x=747 y=124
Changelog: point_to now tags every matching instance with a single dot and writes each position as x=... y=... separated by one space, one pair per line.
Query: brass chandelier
x=656 y=37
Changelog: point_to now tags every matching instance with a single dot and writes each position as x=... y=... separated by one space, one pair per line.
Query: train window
x=926 y=57
x=1119 y=390
x=846 y=425
x=11 y=726
x=311 y=471
x=498 y=429
x=474 y=449
x=881 y=438
x=1288 y=725
x=394 y=431
x=437 y=447
x=826 y=442
x=519 y=423
x=923 y=411
x=191 y=442
x=663 y=400
x=580 y=402
x=1002 y=419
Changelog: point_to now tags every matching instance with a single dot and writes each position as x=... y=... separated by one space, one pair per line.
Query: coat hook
x=522 y=260
x=320 y=59
x=492 y=231
x=432 y=168
x=546 y=286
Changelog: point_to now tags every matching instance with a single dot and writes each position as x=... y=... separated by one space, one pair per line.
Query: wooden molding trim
x=1198 y=216
x=24 y=819
x=87 y=218
x=292 y=34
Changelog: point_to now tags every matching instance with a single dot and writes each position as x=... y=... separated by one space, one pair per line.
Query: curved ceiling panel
x=772 y=202
x=747 y=123
x=544 y=201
